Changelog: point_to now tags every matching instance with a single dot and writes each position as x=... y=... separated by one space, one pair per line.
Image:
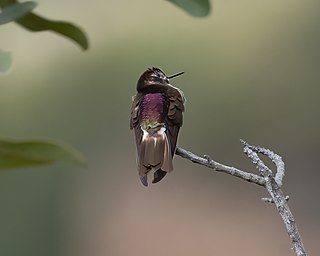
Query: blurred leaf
x=5 y=61
x=15 y=11
x=37 y=23
x=27 y=153
x=196 y=8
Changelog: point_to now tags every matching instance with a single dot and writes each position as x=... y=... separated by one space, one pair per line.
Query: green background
x=252 y=72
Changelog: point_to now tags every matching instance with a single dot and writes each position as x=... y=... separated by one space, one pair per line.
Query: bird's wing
x=134 y=119
x=174 y=118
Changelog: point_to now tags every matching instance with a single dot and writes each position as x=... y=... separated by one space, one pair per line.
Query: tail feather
x=144 y=180
x=154 y=154
x=158 y=175
x=167 y=165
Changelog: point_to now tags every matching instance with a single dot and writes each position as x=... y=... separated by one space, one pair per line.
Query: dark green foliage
x=196 y=8
x=27 y=153
x=21 y=13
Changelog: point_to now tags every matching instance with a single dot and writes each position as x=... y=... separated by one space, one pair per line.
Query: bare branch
x=208 y=162
x=276 y=193
x=275 y=158
x=272 y=184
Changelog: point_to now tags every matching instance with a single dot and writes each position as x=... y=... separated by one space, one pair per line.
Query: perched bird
x=156 y=117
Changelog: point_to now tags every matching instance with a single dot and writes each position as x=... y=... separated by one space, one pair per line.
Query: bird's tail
x=155 y=154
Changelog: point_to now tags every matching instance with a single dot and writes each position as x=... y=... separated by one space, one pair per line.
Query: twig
x=276 y=193
x=270 y=200
x=272 y=184
x=276 y=159
x=208 y=162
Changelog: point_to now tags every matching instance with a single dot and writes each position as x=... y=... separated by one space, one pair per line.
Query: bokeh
x=252 y=72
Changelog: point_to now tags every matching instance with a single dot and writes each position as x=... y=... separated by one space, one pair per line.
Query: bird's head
x=154 y=77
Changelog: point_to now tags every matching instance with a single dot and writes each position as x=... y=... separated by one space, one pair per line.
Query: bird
x=156 y=118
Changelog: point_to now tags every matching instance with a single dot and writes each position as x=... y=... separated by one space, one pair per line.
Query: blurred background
x=252 y=72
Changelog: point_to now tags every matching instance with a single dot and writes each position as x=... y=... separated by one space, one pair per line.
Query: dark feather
x=158 y=175
x=174 y=117
x=134 y=120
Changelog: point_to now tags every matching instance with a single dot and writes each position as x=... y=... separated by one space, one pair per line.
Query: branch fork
x=272 y=183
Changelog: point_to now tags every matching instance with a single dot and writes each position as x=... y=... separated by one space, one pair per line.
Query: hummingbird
x=156 y=118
